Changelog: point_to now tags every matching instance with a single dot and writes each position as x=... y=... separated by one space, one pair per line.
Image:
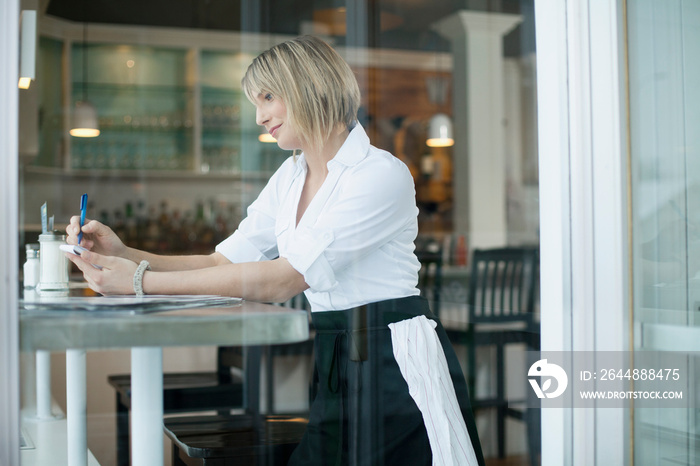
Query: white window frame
x=584 y=239
x=583 y=211
x=9 y=266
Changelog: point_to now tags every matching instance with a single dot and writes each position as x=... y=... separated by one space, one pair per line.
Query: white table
x=79 y=331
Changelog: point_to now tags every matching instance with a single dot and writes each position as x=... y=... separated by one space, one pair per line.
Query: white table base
x=146 y=403
x=76 y=407
x=147 y=406
x=43 y=385
x=246 y=324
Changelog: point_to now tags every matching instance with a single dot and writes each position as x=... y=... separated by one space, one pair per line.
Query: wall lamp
x=27 y=50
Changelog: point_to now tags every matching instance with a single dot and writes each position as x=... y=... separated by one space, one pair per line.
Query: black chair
x=219 y=390
x=500 y=303
x=248 y=438
x=231 y=440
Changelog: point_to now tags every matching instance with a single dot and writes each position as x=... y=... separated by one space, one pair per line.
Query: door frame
x=9 y=265
x=585 y=238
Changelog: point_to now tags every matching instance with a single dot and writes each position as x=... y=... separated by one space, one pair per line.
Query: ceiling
x=284 y=16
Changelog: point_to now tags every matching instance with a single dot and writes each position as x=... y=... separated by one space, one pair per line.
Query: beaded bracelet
x=138 y=277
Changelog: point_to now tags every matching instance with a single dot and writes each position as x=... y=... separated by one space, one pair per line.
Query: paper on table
x=147 y=303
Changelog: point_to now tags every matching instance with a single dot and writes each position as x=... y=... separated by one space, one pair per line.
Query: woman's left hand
x=115 y=276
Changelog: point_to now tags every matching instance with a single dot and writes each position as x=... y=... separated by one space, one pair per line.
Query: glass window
x=447 y=89
x=662 y=46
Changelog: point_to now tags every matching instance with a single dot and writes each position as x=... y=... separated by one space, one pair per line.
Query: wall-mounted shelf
x=163 y=112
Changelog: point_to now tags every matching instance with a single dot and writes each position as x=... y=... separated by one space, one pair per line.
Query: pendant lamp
x=84 y=120
x=440 y=131
x=27 y=58
x=84 y=123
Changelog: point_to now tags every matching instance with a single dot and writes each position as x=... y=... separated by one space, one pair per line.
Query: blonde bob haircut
x=317 y=86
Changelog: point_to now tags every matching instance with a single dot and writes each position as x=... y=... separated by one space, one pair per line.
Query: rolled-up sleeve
x=237 y=248
x=307 y=258
x=255 y=239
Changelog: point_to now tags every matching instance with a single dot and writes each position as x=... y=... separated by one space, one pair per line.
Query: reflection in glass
x=663 y=47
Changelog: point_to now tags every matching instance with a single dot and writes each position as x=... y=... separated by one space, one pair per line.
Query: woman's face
x=271 y=112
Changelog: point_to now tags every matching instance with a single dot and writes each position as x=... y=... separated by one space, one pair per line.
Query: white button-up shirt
x=354 y=244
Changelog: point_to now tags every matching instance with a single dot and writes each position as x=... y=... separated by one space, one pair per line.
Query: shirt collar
x=354 y=149
x=352 y=152
x=300 y=164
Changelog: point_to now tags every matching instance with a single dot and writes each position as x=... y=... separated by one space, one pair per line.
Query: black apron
x=363 y=413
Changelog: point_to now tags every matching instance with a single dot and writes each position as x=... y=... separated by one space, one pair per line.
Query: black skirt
x=363 y=413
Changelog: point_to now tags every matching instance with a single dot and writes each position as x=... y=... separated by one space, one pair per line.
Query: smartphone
x=76 y=251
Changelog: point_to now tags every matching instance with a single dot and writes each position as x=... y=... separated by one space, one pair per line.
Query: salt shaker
x=31 y=266
x=53 y=275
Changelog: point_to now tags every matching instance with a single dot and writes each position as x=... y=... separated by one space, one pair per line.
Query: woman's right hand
x=96 y=237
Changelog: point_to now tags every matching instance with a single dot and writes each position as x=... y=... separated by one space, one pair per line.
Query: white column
x=147 y=406
x=76 y=407
x=478 y=112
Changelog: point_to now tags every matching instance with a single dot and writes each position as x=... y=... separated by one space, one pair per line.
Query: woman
x=336 y=221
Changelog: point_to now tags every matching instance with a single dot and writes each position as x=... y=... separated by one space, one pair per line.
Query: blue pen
x=83 y=209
